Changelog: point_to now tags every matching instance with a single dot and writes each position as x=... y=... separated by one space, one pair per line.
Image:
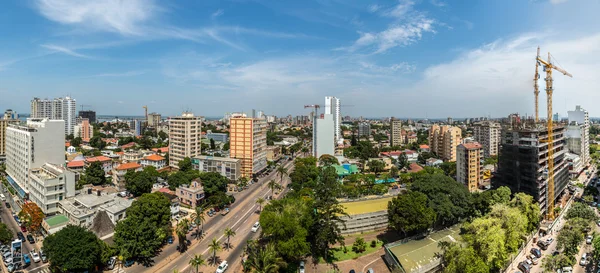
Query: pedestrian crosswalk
x=40 y=270
x=118 y=270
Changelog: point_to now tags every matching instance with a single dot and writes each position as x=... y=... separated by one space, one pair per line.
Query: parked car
x=12 y=267
x=370 y=270
x=588 y=239
x=23 y=228
x=583 y=260
x=225 y=211
x=549 y=240
x=30 y=239
x=536 y=252
x=35 y=257
x=111 y=263
x=26 y=260
x=255 y=227
x=222 y=267
x=534 y=260
x=170 y=239
x=21 y=236
x=128 y=263
x=43 y=256
x=524 y=267
x=301 y=267
x=543 y=245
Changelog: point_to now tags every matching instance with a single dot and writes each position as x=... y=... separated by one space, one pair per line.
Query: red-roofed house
x=414 y=168
x=111 y=141
x=156 y=161
x=161 y=151
x=76 y=165
x=107 y=164
x=128 y=145
x=424 y=148
x=120 y=171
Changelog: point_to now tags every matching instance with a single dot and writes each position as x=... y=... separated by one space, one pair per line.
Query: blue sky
x=406 y=58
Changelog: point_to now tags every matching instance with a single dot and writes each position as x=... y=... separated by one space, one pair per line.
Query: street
x=241 y=217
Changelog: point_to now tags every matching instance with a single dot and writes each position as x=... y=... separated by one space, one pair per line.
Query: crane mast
x=536 y=90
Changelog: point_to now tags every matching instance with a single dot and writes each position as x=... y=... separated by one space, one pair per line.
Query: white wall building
x=332 y=107
x=487 y=133
x=31 y=146
x=59 y=108
x=324 y=136
x=49 y=185
x=82 y=208
x=578 y=131
x=184 y=137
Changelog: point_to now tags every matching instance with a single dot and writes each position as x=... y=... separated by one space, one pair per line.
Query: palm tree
x=273 y=185
x=260 y=201
x=281 y=171
x=214 y=246
x=197 y=261
x=229 y=233
x=198 y=219
x=181 y=231
x=265 y=260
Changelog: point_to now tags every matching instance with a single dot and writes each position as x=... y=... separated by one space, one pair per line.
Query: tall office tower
x=443 y=141
x=523 y=163
x=137 y=127
x=450 y=121
x=59 y=109
x=41 y=108
x=487 y=133
x=83 y=129
x=395 y=132
x=324 y=136
x=89 y=114
x=578 y=132
x=29 y=147
x=184 y=137
x=248 y=142
x=364 y=130
x=469 y=165
x=154 y=120
x=332 y=107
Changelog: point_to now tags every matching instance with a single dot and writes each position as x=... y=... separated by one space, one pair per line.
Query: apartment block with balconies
x=184 y=137
x=443 y=141
x=248 y=142
x=469 y=166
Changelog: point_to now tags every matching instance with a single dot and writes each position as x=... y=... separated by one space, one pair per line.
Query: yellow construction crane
x=536 y=91
x=548 y=66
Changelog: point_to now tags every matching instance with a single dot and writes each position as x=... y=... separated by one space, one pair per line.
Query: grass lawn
x=339 y=255
x=360 y=207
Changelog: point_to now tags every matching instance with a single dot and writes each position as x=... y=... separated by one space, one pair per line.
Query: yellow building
x=248 y=142
x=469 y=166
x=443 y=141
x=184 y=137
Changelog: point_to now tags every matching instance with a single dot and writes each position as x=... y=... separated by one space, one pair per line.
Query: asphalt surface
x=243 y=214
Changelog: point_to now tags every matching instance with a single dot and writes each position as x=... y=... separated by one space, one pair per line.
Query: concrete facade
x=395 y=132
x=49 y=185
x=58 y=109
x=248 y=142
x=324 y=136
x=333 y=107
x=184 y=137
x=488 y=133
x=443 y=141
x=469 y=165
x=578 y=134
x=227 y=167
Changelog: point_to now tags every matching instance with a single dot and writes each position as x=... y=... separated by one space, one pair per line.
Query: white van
x=2 y=197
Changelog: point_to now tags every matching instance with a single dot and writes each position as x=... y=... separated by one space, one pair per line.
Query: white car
x=301 y=267
x=35 y=257
x=255 y=227
x=588 y=239
x=583 y=260
x=222 y=267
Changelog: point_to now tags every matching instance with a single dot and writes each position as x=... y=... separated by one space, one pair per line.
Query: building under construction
x=523 y=162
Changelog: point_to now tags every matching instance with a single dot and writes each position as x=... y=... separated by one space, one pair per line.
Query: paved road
x=241 y=217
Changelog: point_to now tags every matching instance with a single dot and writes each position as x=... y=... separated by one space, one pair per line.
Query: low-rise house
x=76 y=165
x=82 y=209
x=424 y=148
x=155 y=161
x=175 y=208
x=433 y=162
x=107 y=164
x=414 y=168
x=161 y=151
x=120 y=171
x=50 y=184
x=227 y=167
x=411 y=156
x=190 y=195
x=132 y=156
x=128 y=146
x=273 y=153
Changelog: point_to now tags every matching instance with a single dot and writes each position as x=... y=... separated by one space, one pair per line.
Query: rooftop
x=56 y=220
x=128 y=166
x=154 y=157
x=209 y=157
x=75 y=164
x=97 y=159
x=415 y=168
x=471 y=145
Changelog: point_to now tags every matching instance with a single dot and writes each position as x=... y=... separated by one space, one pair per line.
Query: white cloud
x=438 y=3
x=122 y=74
x=70 y=52
x=558 y=1
x=123 y=17
x=400 y=10
x=217 y=13
x=374 y=8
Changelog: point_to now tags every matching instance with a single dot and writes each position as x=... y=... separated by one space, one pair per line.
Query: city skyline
x=388 y=58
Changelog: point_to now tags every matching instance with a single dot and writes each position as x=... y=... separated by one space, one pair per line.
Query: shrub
x=359 y=245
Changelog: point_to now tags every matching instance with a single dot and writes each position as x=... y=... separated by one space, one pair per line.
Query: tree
x=181 y=231
x=457 y=259
x=260 y=201
x=73 y=249
x=264 y=260
x=76 y=142
x=376 y=166
x=394 y=171
x=185 y=164
x=177 y=179
x=359 y=245
x=228 y=232
x=525 y=204
x=214 y=246
x=198 y=218
x=6 y=234
x=213 y=183
x=305 y=173
x=595 y=244
x=581 y=210
x=32 y=216
x=97 y=142
x=449 y=168
x=551 y=263
x=328 y=160
x=402 y=161
x=273 y=186
x=94 y=174
x=138 y=183
x=197 y=261
x=226 y=146
x=410 y=213
x=147 y=224
x=281 y=171
x=569 y=240
x=487 y=237
x=353 y=141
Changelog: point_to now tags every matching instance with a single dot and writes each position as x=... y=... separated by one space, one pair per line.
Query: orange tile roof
x=128 y=145
x=120 y=153
x=472 y=145
x=424 y=146
x=415 y=168
x=154 y=158
x=97 y=158
x=67 y=144
x=128 y=166
x=161 y=150
x=75 y=164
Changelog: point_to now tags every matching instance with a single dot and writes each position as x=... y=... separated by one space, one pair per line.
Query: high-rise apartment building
x=469 y=165
x=59 y=108
x=29 y=147
x=83 y=129
x=364 y=130
x=523 y=163
x=324 y=136
x=443 y=141
x=184 y=137
x=487 y=133
x=332 y=107
x=248 y=142
x=395 y=132
x=154 y=120
x=10 y=114
x=89 y=114
x=3 y=125
x=578 y=132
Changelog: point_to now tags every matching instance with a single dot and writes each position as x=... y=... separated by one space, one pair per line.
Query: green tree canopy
x=94 y=174
x=305 y=173
x=185 y=164
x=581 y=210
x=458 y=259
x=327 y=160
x=213 y=183
x=138 y=183
x=73 y=249
x=410 y=213
x=6 y=234
x=376 y=166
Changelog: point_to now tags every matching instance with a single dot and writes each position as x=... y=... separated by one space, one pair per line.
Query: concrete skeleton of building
x=395 y=132
x=443 y=141
x=469 y=165
x=28 y=148
x=58 y=109
x=231 y=168
x=578 y=134
x=154 y=120
x=487 y=133
x=83 y=129
x=248 y=142
x=89 y=114
x=523 y=163
x=185 y=134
